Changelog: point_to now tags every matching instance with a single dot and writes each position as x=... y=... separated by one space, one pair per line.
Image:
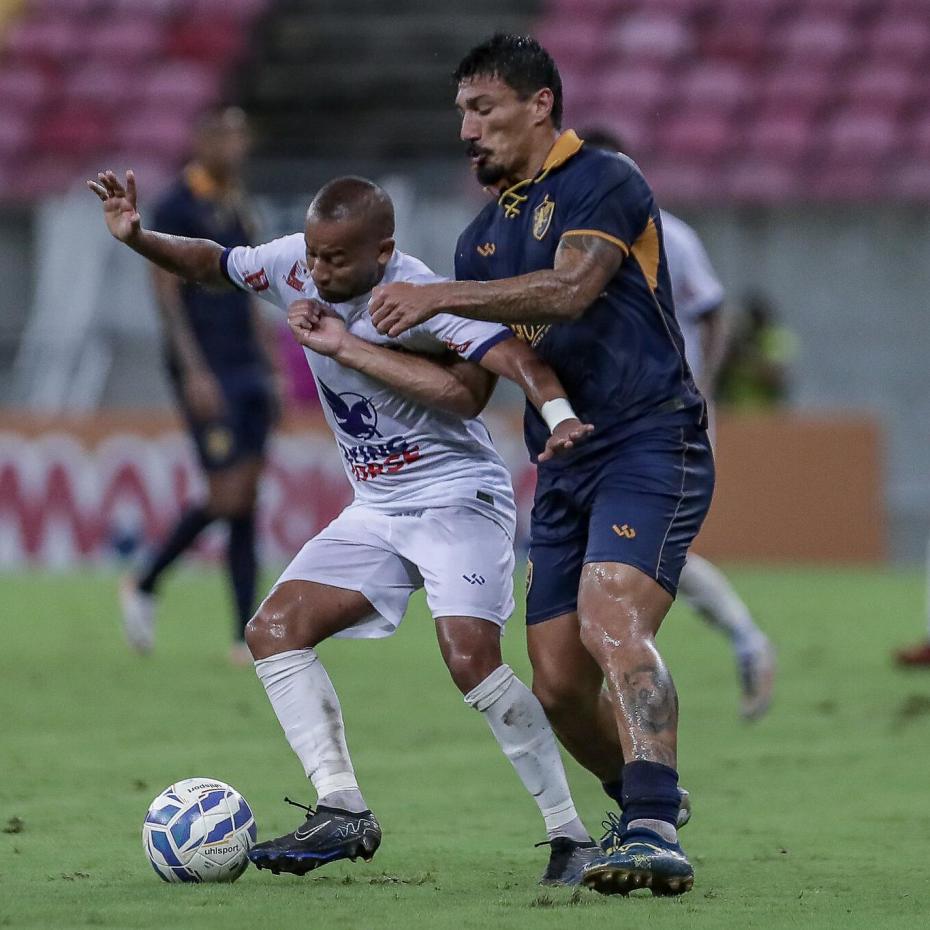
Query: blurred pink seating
x=217 y=39
x=888 y=87
x=25 y=87
x=861 y=136
x=909 y=182
x=788 y=89
x=73 y=131
x=648 y=36
x=676 y=181
x=183 y=85
x=918 y=137
x=845 y=182
x=108 y=85
x=762 y=181
x=129 y=39
x=783 y=137
x=635 y=89
x=16 y=133
x=903 y=40
x=33 y=40
x=716 y=86
x=816 y=39
x=576 y=45
x=695 y=135
x=163 y=133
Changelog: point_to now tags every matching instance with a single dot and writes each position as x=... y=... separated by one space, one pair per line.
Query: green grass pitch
x=816 y=817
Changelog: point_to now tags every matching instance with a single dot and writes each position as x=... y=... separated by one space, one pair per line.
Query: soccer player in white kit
x=698 y=296
x=433 y=507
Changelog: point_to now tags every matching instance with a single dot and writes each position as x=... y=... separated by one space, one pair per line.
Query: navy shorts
x=243 y=432
x=641 y=504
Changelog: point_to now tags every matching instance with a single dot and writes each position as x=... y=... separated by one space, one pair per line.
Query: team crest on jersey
x=258 y=280
x=297 y=276
x=542 y=218
x=355 y=414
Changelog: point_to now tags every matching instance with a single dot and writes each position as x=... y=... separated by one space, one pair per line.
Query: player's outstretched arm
x=519 y=363
x=455 y=385
x=583 y=265
x=195 y=260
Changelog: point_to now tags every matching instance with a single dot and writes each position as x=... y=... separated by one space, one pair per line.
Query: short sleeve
x=270 y=270
x=469 y=338
x=613 y=202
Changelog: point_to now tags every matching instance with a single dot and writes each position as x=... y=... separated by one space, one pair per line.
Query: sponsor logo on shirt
x=297 y=276
x=355 y=414
x=460 y=347
x=486 y=250
x=258 y=280
x=383 y=458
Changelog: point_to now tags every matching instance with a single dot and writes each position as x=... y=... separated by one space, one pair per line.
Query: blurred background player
x=918 y=655
x=753 y=374
x=221 y=375
x=698 y=297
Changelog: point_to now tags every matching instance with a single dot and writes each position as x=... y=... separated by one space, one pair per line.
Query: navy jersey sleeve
x=463 y=271
x=612 y=201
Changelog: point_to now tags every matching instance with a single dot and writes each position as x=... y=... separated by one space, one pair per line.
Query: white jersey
x=696 y=289
x=399 y=455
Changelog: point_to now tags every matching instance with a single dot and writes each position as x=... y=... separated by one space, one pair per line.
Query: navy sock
x=242 y=568
x=614 y=789
x=650 y=792
x=185 y=531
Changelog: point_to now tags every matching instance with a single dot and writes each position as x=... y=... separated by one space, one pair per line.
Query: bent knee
x=561 y=696
x=272 y=630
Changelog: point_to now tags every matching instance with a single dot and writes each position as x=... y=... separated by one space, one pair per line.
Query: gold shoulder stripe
x=619 y=243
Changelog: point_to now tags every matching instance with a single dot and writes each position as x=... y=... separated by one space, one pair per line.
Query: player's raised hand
x=566 y=435
x=119 y=204
x=397 y=307
x=315 y=326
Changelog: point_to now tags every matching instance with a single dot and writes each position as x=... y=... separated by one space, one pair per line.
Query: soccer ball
x=199 y=830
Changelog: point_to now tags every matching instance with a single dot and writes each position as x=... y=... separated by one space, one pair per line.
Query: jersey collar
x=565 y=147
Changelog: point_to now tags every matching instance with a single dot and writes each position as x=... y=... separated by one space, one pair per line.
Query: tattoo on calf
x=651 y=703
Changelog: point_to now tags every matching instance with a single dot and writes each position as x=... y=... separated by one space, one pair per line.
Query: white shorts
x=464 y=560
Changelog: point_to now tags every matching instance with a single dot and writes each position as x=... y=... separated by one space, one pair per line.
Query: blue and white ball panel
x=199 y=830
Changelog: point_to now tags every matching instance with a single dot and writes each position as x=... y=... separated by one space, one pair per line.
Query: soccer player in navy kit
x=570 y=255
x=220 y=374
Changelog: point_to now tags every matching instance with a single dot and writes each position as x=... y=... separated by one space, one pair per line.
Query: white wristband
x=555 y=411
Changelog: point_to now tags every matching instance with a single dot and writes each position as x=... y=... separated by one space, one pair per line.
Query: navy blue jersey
x=220 y=320
x=623 y=362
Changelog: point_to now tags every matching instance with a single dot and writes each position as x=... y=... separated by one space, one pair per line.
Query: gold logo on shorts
x=219 y=442
x=624 y=530
x=529 y=575
x=542 y=217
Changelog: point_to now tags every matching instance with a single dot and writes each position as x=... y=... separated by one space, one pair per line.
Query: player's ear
x=543 y=101
x=385 y=251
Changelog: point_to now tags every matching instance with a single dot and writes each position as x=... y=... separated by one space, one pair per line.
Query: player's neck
x=535 y=158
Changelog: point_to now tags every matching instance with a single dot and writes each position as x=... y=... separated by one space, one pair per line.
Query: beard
x=487 y=172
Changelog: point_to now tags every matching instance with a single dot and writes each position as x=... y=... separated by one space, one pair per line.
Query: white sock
x=706 y=590
x=305 y=702
x=519 y=724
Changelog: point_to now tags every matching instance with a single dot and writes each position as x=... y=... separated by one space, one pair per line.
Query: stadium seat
x=163 y=134
x=130 y=39
x=576 y=47
x=651 y=36
x=96 y=82
x=781 y=137
x=75 y=130
x=695 y=135
x=676 y=181
x=816 y=40
x=846 y=182
x=903 y=40
x=25 y=87
x=791 y=90
x=634 y=90
x=715 y=86
x=216 y=39
x=861 y=137
x=33 y=41
x=184 y=85
x=887 y=87
x=761 y=181
x=16 y=133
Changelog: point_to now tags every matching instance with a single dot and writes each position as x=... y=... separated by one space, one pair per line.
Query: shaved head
x=356 y=199
x=350 y=237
